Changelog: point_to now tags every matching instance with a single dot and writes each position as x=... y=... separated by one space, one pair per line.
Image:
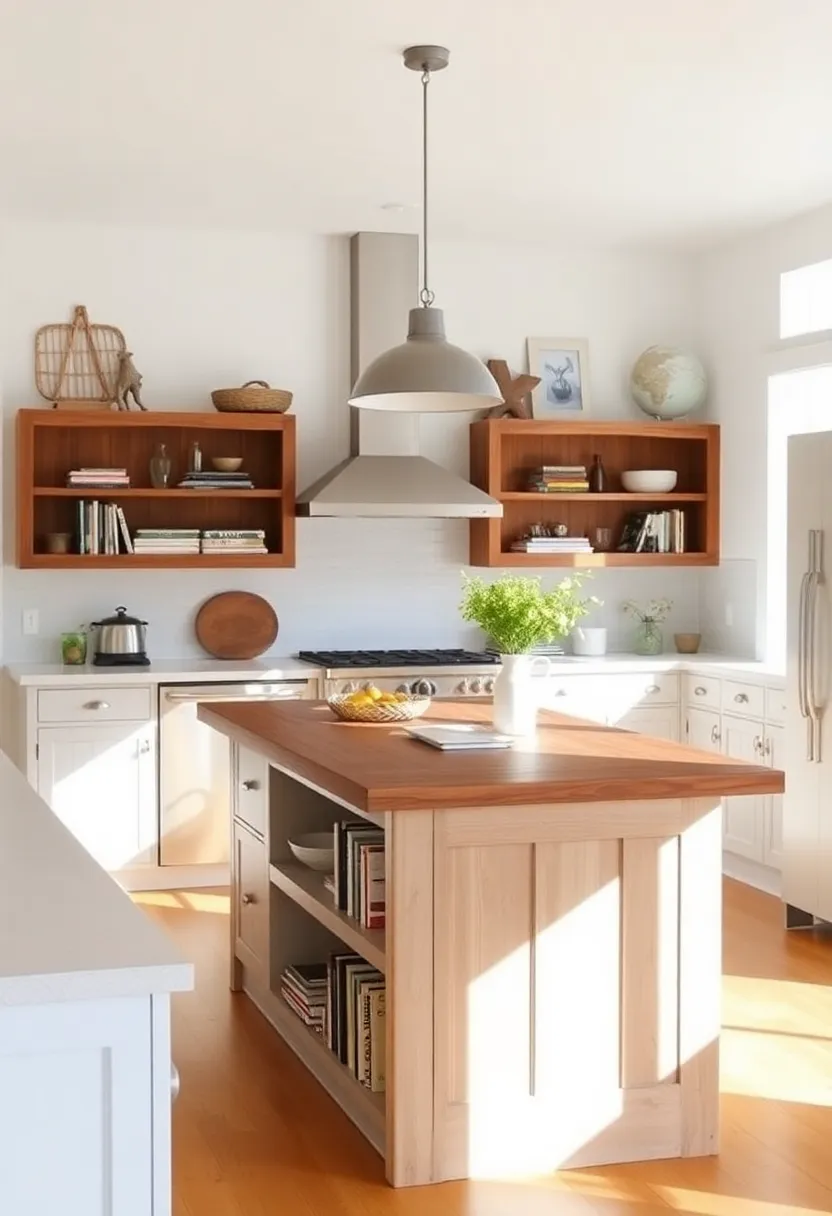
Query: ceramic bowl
x=227 y=464
x=687 y=643
x=649 y=481
x=316 y=850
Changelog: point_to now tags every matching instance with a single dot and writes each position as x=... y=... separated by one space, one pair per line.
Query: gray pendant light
x=426 y=374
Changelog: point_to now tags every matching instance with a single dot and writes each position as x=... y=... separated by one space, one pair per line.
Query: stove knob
x=462 y=688
x=476 y=686
x=423 y=688
x=402 y=688
x=488 y=686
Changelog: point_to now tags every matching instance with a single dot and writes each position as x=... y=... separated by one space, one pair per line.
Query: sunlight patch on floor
x=206 y=901
x=156 y=899
x=706 y=1203
x=776 y=1040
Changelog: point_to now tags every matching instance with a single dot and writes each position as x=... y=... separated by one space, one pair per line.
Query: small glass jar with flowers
x=648 y=638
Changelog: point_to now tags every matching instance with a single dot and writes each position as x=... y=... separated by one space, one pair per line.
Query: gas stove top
x=344 y=659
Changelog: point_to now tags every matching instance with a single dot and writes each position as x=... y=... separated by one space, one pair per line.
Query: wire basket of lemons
x=373 y=705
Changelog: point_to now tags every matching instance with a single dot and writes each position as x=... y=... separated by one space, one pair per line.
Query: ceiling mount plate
x=426 y=58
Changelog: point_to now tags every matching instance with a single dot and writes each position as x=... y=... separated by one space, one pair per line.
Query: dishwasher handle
x=284 y=691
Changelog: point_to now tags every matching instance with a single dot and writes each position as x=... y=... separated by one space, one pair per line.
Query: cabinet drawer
x=250 y=895
x=745 y=700
x=578 y=696
x=776 y=705
x=702 y=692
x=95 y=705
x=251 y=797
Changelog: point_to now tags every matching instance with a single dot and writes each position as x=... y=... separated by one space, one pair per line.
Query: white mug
x=589 y=641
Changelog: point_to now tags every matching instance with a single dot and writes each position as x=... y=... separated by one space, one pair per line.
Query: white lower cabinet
x=660 y=721
x=250 y=900
x=744 y=817
x=101 y=783
x=775 y=757
x=703 y=729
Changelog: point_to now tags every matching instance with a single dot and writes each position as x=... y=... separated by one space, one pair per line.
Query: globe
x=668 y=383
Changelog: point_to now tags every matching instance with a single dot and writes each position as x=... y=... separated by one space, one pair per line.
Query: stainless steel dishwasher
x=194 y=778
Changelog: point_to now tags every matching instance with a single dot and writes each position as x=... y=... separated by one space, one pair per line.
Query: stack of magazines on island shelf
x=559 y=479
x=230 y=540
x=356 y=1018
x=166 y=540
x=358 y=886
x=211 y=480
x=654 y=532
x=303 y=987
x=100 y=528
x=552 y=544
x=98 y=479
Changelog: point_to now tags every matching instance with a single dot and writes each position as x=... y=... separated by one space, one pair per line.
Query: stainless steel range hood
x=385 y=476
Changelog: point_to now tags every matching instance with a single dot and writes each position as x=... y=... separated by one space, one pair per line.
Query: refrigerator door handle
x=801 y=647
x=815 y=578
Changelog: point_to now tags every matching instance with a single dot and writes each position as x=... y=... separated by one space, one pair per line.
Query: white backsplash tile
x=728 y=608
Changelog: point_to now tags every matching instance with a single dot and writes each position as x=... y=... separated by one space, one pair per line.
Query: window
x=806 y=300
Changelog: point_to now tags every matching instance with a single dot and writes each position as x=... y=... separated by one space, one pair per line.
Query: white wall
x=204 y=309
x=738 y=301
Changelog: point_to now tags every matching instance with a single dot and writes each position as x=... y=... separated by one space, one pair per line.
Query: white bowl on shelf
x=649 y=481
x=316 y=850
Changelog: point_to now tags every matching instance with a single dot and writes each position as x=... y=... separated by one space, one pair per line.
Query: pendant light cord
x=426 y=296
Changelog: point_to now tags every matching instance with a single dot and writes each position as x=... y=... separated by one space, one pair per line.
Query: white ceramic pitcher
x=516 y=695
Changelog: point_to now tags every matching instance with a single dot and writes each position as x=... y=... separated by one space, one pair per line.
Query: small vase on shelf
x=160 y=468
x=597 y=476
x=648 y=638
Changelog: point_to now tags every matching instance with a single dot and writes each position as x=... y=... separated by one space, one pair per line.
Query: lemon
x=374 y=693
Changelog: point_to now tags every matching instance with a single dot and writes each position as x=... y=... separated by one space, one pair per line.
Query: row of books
x=98 y=479
x=344 y=1001
x=654 y=532
x=358 y=886
x=101 y=528
x=559 y=479
x=212 y=480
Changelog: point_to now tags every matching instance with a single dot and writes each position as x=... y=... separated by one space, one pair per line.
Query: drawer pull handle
x=758 y=744
x=741 y=698
x=560 y=692
x=174 y=1082
x=652 y=688
x=251 y=784
x=699 y=691
x=715 y=735
x=247 y=899
x=767 y=747
x=96 y=705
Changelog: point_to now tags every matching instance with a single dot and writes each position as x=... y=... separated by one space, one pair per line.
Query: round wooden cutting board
x=236 y=625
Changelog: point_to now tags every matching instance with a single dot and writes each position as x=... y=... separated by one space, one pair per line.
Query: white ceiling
x=649 y=122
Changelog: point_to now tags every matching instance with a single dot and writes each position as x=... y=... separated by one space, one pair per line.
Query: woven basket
x=384 y=711
x=254 y=397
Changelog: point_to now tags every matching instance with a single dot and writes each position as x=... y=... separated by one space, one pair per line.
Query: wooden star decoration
x=515 y=391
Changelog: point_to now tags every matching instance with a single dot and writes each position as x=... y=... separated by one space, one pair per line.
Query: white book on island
x=459 y=736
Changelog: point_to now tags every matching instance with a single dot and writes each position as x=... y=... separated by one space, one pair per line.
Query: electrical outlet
x=31 y=621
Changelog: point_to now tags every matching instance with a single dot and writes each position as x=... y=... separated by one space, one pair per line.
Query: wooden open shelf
x=505 y=451
x=51 y=442
x=306 y=888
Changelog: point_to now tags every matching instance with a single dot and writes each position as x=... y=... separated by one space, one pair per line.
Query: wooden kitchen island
x=553 y=943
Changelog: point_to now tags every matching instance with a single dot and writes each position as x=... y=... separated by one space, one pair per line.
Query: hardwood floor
x=255 y=1135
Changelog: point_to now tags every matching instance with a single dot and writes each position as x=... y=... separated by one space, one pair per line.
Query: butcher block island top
x=550 y=957
x=379 y=768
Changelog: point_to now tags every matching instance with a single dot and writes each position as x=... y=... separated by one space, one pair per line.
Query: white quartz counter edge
x=67 y=931
x=165 y=671
x=209 y=671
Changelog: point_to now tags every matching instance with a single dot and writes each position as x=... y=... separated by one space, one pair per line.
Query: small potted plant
x=648 y=637
x=516 y=614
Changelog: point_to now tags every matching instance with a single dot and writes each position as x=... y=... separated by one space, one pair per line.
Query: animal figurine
x=128 y=381
x=515 y=391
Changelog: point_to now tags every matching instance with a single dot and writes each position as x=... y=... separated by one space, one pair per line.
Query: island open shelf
x=552 y=947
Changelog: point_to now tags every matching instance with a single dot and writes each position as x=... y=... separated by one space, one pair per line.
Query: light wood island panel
x=552 y=950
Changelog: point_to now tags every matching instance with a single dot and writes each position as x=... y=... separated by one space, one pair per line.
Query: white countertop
x=67 y=930
x=166 y=671
x=713 y=664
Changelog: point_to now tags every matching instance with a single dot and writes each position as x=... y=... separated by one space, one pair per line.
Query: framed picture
x=563 y=367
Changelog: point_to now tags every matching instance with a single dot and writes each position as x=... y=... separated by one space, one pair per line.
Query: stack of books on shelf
x=98 y=479
x=101 y=528
x=230 y=540
x=359 y=884
x=559 y=479
x=211 y=480
x=653 y=532
x=303 y=987
x=166 y=540
x=552 y=544
x=356 y=1018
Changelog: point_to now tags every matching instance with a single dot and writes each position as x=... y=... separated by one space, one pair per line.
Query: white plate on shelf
x=316 y=850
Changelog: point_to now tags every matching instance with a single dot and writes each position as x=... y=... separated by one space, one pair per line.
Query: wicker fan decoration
x=77 y=364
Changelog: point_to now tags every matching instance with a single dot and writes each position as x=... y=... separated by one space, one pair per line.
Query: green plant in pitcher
x=517 y=614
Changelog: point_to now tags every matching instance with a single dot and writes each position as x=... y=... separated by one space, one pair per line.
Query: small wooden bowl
x=227 y=464
x=687 y=643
